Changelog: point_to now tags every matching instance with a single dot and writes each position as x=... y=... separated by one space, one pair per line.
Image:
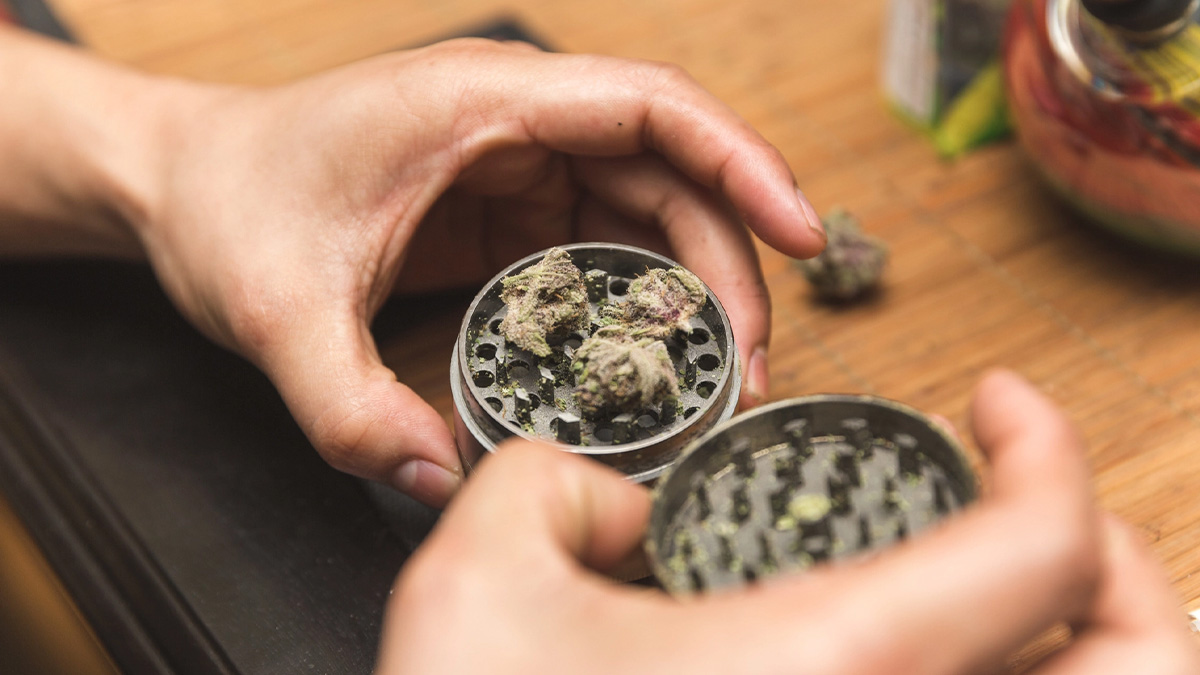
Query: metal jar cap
x=798 y=482
x=501 y=390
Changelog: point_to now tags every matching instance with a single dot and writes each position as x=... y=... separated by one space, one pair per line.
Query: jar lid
x=1142 y=16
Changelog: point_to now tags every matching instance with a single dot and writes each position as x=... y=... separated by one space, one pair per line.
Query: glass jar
x=1105 y=97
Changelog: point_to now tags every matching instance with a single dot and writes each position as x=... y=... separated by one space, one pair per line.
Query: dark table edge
x=125 y=597
x=37 y=16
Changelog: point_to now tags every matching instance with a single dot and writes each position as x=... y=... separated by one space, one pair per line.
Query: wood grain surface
x=987 y=268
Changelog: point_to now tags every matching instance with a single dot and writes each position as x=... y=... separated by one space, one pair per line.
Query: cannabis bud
x=851 y=263
x=617 y=372
x=547 y=299
x=659 y=302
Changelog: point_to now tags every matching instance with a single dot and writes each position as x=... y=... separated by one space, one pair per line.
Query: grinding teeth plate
x=800 y=482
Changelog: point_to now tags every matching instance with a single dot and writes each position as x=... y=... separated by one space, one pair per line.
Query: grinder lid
x=799 y=482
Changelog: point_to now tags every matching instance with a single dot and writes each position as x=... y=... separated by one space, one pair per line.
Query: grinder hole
x=483 y=378
x=518 y=369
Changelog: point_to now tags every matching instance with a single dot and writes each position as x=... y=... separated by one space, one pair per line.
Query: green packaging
x=941 y=69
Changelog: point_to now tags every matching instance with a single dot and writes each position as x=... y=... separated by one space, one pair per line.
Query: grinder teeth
x=566 y=428
x=758 y=503
x=859 y=435
x=597 y=285
x=499 y=369
x=799 y=438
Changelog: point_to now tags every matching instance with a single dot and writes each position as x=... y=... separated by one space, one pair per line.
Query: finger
x=968 y=594
x=1036 y=534
x=350 y=405
x=704 y=238
x=512 y=560
x=507 y=169
x=536 y=213
x=571 y=511
x=1009 y=413
x=631 y=106
x=1136 y=624
x=596 y=221
x=623 y=107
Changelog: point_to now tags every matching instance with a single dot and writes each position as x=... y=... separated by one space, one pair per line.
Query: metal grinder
x=501 y=390
x=800 y=482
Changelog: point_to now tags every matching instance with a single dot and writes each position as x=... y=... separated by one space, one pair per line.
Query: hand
x=511 y=579
x=1134 y=624
x=287 y=216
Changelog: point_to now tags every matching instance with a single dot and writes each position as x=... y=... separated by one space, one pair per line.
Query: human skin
x=516 y=567
x=280 y=219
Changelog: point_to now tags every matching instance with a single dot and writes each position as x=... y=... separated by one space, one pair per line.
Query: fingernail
x=810 y=214
x=427 y=482
x=756 y=375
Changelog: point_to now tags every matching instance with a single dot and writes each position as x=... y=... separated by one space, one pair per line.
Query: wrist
x=126 y=158
x=84 y=145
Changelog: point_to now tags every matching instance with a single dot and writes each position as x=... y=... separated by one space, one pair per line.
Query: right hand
x=510 y=580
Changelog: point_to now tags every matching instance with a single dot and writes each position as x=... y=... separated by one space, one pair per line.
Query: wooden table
x=988 y=269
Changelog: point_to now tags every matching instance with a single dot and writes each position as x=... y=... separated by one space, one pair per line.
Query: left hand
x=286 y=216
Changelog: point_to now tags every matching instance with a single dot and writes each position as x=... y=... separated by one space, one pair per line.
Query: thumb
x=354 y=411
x=569 y=508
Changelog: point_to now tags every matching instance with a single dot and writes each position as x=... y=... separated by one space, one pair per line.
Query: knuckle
x=342 y=435
x=773 y=154
x=462 y=44
x=670 y=76
x=469 y=47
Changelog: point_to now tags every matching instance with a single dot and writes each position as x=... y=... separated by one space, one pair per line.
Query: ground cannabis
x=852 y=262
x=617 y=372
x=659 y=302
x=547 y=299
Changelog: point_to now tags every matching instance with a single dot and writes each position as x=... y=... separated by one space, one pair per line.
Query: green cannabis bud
x=660 y=302
x=547 y=299
x=852 y=262
x=618 y=373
